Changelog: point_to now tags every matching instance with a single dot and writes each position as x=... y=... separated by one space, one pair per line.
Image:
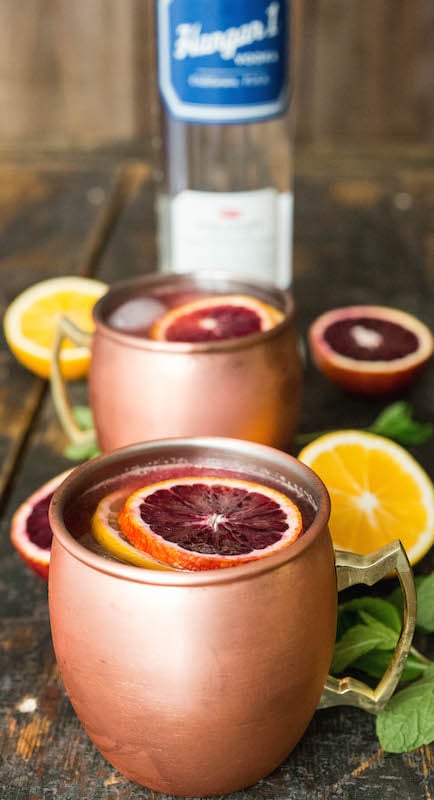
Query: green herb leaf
x=425 y=603
x=306 y=438
x=396 y=422
x=355 y=642
x=83 y=417
x=382 y=610
x=377 y=627
x=376 y=662
x=387 y=637
x=81 y=452
x=407 y=722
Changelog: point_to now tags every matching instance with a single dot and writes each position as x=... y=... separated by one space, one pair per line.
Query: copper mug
x=202 y=683
x=248 y=388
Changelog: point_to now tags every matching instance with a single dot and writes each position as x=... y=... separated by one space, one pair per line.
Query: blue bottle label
x=223 y=61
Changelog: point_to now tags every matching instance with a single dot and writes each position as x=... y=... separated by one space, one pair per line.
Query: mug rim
x=237 y=343
x=180 y=578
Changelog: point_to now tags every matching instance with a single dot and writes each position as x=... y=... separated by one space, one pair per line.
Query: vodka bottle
x=223 y=78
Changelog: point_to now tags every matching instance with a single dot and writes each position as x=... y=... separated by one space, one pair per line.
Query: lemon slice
x=378 y=492
x=30 y=323
x=106 y=531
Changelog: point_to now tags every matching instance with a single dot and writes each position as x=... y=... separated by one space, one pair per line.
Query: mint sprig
x=395 y=422
x=368 y=629
x=82 y=452
x=407 y=722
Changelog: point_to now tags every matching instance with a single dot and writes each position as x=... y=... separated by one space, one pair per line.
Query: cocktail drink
x=190 y=517
x=196 y=668
x=181 y=355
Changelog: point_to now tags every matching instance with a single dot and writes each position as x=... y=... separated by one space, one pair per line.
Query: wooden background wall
x=83 y=71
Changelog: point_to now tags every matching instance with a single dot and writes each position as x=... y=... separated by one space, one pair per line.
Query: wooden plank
x=147 y=122
x=87 y=71
x=373 y=71
x=132 y=249
x=340 y=224
x=364 y=233
x=51 y=223
x=66 y=70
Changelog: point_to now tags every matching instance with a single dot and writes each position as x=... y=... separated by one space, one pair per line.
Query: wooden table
x=364 y=233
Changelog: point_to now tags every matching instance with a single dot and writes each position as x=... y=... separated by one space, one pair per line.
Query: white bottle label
x=246 y=233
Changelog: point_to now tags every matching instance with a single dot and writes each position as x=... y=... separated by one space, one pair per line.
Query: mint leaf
x=379 y=629
x=382 y=610
x=355 y=642
x=83 y=417
x=387 y=637
x=81 y=452
x=425 y=603
x=376 y=662
x=396 y=422
x=407 y=722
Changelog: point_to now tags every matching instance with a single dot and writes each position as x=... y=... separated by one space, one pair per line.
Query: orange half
x=30 y=323
x=378 y=491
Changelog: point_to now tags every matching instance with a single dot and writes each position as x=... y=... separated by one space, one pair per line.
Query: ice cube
x=136 y=314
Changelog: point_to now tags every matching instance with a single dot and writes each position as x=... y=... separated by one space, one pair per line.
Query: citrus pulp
x=30 y=323
x=215 y=318
x=106 y=531
x=31 y=533
x=378 y=492
x=372 y=350
x=209 y=522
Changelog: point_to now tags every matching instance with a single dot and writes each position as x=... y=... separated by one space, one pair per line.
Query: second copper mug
x=201 y=683
x=247 y=388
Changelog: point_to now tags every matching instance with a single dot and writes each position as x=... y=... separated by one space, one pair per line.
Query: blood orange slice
x=208 y=522
x=215 y=318
x=107 y=532
x=31 y=533
x=372 y=350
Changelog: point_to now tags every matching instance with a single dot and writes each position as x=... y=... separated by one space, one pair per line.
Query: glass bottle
x=223 y=70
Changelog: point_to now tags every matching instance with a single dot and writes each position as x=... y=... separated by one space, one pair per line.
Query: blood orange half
x=371 y=350
x=31 y=533
x=215 y=318
x=208 y=522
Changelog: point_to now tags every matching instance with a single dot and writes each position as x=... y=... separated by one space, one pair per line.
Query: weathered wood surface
x=86 y=71
x=75 y=70
x=52 y=222
x=363 y=232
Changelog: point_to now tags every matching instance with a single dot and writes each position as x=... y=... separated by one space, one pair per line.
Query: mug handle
x=66 y=329
x=369 y=569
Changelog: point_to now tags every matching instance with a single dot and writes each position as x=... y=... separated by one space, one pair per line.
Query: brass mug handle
x=368 y=569
x=66 y=329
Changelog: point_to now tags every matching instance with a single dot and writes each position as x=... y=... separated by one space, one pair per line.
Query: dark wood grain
x=358 y=238
x=363 y=235
x=68 y=70
x=87 y=71
x=53 y=222
x=373 y=71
